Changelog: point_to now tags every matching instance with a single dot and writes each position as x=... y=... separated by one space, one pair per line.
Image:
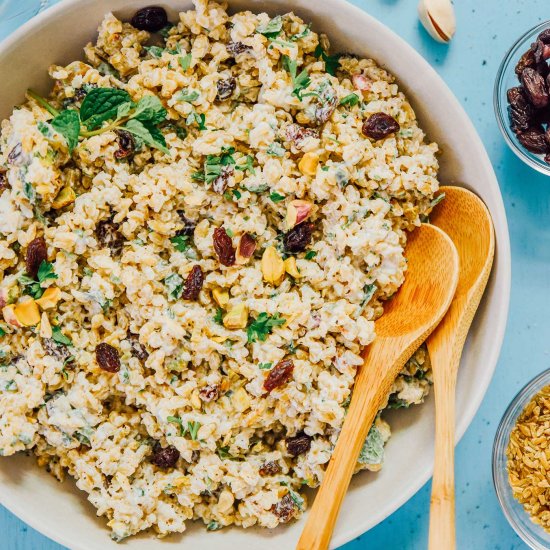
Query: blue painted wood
x=485 y=30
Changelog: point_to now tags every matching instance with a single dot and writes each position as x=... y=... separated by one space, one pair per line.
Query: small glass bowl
x=506 y=79
x=531 y=533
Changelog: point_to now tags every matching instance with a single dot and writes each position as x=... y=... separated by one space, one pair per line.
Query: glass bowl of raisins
x=522 y=98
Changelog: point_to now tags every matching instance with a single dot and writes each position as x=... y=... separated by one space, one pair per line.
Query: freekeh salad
x=200 y=224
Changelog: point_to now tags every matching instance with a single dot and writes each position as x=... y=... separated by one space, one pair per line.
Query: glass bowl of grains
x=521 y=462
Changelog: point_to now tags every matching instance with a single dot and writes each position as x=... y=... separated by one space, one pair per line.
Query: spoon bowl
x=409 y=317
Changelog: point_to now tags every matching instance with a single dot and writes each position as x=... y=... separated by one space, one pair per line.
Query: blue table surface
x=485 y=30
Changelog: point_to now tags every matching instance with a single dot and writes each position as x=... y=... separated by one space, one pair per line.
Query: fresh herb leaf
x=302 y=34
x=155 y=51
x=218 y=318
x=149 y=134
x=236 y=193
x=106 y=69
x=229 y=232
x=275 y=149
x=275 y=197
x=351 y=100
x=2 y=332
x=177 y=420
x=437 y=200
x=30 y=286
x=213 y=165
x=150 y=109
x=332 y=62
x=223 y=452
x=101 y=104
x=59 y=337
x=46 y=272
x=185 y=61
x=165 y=31
x=310 y=255
x=67 y=123
x=299 y=81
x=180 y=242
x=213 y=526
x=265 y=366
x=262 y=326
x=248 y=165
x=186 y=95
x=369 y=291
x=372 y=451
x=174 y=284
x=193 y=428
x=272 y=28
x=199 y=119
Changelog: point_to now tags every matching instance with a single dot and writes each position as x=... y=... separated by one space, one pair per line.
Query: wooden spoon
x=409 y=317
x=464 y=217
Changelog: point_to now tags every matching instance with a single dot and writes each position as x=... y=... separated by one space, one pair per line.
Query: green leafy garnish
x=59 y=337
x=223 y=452
x=437 y=200
x=332 y=62
x=148 y=134
x=67 y=123
x=186 y=95
x=236 y=193
x=2 y=332
x=299 y=81
x=174 y=284
x=369 y=291
x=180 y=242
x=101 y=104
x=351 y=100
x=301 y=34
x=310 y=255
x=248 y=165
x=213 y=165
x=149 y=109
x=265 y=366
x=193 y=428
x=185 y=61
x=198 y=119
x=372 y=451
x=33 y=287
x=155 y=51
x=45 y=272
x=218 y=318
x=275 y=197
x=262 y=326
x=213 y=526
x=275 y=149
x=272 y=28
x=177 y=420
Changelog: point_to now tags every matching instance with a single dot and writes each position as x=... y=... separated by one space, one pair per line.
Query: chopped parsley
x=310 y=255
x=174 y=284
x=275 y=197
x=262 y=326
x=59 y=337
x=272 y=28
x=33 y=287
x=193 y=429
x=302 y=34
x=177 y=420
x=218 y=318
x=198 y=118
x=299 y=81
x=185 y=61
x=214 y=164
x=332 y=62
x=351 y=100
x=265 y=366
x=189 y=96
x=180 y=242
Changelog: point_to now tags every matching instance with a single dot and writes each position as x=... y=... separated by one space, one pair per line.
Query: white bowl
x=60 y=511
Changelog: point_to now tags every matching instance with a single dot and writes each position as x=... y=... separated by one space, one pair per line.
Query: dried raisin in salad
x=200 y=224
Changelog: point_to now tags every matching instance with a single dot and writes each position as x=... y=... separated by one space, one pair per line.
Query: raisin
x=209 y=393
x=15 y=154
x=151 y=18
x=37 y=252
x=3 y=180
x=280 y=374
x=236 y=48
x=226 y=87
x=165 y=458
x=285 y=509
x=193 y=283
x=109 y=236
x=533 y=140
x=126 y=144
x=270 y=468
x=298 y=444
x=298 y=238
x=219 y=185
x=520 y=110
x=136 y=348
x=526 y=60
x=107 y=357
x=535 y=88
x=223 y=245
x=298 y=134
x=379 y=126
x=57 y=351
x=247 y=246
x=188 y=225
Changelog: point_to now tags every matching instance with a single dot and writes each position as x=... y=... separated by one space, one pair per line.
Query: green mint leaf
x=124 y=109
x=368 y=293
x=351 y=100
x=59 y=337
x=272 y=28
x=223 y=452
x=248 y=165
x=185 y=61
x=101 y=104
x=373 y=448
x=106 y=69
x=45 y=128
x=236 y=193
x=67 y=123
x=150 y=109
x=275 y=197
x=332 y=62
x=174 y=284
x=45 y=272
x=265 y=366
x=290 y=66
x=30 y=287
x=179 y=422
x=2 y=332
x=199 y=176
x=154 y=51
x=262 y=326
x=218 y=318
x=149 y=134
x=193 y=428
x=310 y=255
x=180 y=242
x=199 y=119
x=299 y=81
x=301 y=34
x=275 y=150
x=189 y=96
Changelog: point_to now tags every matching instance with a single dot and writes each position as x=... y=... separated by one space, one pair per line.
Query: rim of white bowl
x=503 y=251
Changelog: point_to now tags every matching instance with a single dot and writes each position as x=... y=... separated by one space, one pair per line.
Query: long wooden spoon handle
x=361 y=414
x=442 y=506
